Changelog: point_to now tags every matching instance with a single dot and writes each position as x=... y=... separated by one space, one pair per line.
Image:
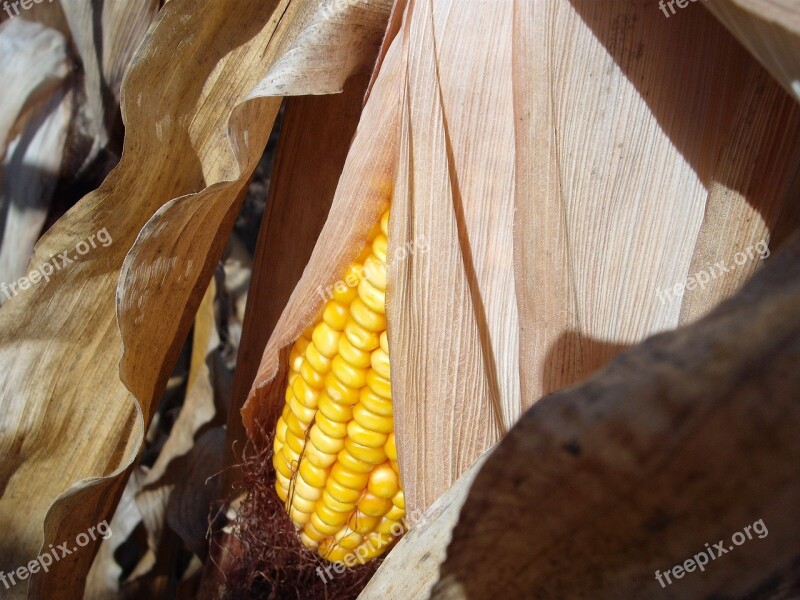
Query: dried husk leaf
x=635 y=171
x=316 y=132
x=676 y=445
x=28 y=178
x=770 y=29
x=503 y=101
x=73 y=433
x=649 y=461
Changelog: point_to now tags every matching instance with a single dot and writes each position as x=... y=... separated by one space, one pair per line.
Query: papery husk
x=73 y=428
x=563 y=169
x=770 y=30
x=677 y=445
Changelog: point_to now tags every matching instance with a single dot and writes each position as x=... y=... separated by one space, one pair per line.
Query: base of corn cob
x=334 y=452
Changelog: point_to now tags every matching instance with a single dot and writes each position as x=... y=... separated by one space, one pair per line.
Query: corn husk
x=561 y=175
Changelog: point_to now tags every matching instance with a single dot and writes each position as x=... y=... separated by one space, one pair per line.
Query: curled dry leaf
x=33 y=129
x=71 y=427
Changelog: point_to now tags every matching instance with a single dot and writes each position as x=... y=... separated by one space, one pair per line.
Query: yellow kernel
x=311 y=376
x=335 y=315
x=282 y=468
x=313 y=475
x=296 y=354
x=301 y=488
x=374 y=403
x=294 y=445
x=305 y=394
x=313 y=533
x=291 y=456
x=282 y=481
x=395 y=465
x=283 y=493
x=379 y=385
x=342 y=493
x=326 y=340
x=395 y=514
x=331 y=517
x=383 y=482
x=365 y=453
x=320 y=363
x=339 y=392
x=343 y=293
x=337 y=429
x=280 y=430
x=308 y=541
x=379 y=246
x=399 y=500
x=361 y=338
x=304 y=414
x=353 y=275
x=318 y=458
x=365 y=437
x=321 y=526
x=325 y=443
x=347 y=538
x=375 y=544
x=361 y=523
x=298 y=517
x=348 y=461
x=306 y=334
x=347 y=374
x=374 y=298
x=385 y=224
x=351 y=354
x=384 y=342
x=335 y=504
x=333 y=552
x=368 y=319
x=351 y=479
x=374 y=506
x=334 y=410
x=375 y=272
x=388 y=527
x=302 y=504
x=390 y=447
x=370 y=421
x=380 y=362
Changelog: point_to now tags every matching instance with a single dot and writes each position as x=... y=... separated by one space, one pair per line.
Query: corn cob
x=334 y=452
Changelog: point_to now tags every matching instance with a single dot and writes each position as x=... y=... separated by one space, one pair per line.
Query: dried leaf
x=628 y=170
x=72 y=429
x=678 y=444
x=770 y=29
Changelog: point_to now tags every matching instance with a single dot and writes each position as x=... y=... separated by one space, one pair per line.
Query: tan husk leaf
x=770 y=29
x=621 y=189
x=315 y=136
x=71 y=428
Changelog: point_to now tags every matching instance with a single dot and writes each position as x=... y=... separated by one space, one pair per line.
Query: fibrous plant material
x=335 y=455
